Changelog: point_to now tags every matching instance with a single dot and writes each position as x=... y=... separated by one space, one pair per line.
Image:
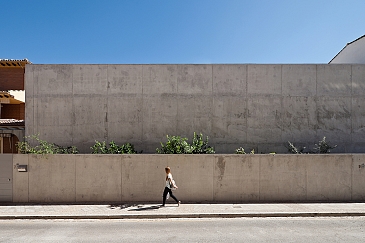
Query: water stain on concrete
x=222 y=166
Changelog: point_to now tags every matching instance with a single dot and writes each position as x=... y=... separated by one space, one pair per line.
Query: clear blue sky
x=178 y=31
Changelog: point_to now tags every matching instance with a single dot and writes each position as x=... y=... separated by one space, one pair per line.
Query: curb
x=164 y=216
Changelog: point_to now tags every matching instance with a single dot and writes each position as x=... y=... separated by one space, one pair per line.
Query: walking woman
x=170 y=184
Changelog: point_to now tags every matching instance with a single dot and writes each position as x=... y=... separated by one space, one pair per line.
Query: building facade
x=352 y=53
x=12 y=110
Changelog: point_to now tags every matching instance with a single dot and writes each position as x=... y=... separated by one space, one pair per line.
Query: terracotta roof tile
x=11 y=122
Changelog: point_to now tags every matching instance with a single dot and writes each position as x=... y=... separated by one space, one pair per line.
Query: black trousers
x=168 y=190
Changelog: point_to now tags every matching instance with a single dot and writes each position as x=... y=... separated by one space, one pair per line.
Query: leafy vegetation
x=199 y=146
x=174 y=145
x=321 y=148
x=241 y=150
x=67 y=150
x=180 y=145
x=294 y=150
x=34 y=145
x=102 y=148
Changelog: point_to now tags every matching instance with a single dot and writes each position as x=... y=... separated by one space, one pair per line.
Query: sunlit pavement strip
x=125 y=211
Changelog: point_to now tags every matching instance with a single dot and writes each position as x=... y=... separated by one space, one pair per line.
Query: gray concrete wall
x=257 y=107
x=201 y=178
x=6 y=177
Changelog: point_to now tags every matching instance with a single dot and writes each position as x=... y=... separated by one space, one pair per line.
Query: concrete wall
x=257 y=107
x=201 y=178
x=6 y=177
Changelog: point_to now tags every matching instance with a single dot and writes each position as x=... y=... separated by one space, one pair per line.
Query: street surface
x=330 y=229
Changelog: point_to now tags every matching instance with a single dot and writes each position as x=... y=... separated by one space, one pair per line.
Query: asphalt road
x=346 y=229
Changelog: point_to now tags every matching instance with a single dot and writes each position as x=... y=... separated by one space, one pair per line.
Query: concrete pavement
x=154 y=211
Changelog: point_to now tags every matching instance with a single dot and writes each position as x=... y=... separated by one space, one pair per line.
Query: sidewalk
x=154 y=211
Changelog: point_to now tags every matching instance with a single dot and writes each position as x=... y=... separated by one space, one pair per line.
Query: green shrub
x=323 y=147
x=43 y=147
x=126 y=148
x=67 y=150
x=102 y=148
x=99 y=148
x=175 y=145
x=179 y=145
x=199 y=146
x=241 y=150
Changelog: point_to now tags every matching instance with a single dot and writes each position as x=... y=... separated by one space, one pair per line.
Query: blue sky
x=178 y=31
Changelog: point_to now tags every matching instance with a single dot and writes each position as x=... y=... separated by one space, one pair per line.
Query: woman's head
x=167 y=169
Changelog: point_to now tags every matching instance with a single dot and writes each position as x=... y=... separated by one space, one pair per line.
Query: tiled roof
x=14 y=62
x=7 y=98
x=4 y=94
x=11 y=122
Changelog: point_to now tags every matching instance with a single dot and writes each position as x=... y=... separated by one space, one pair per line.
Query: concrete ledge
x=164 y=216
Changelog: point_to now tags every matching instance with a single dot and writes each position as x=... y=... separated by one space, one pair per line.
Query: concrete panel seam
x=259 y=180
x=75 y=180
x=73 y=118
x=351 y=107
x=121 y=178
x=352 y=174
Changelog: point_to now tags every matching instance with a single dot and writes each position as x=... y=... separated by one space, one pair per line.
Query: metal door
x=6 y=177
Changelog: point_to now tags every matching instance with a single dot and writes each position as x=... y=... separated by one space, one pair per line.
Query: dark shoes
x=178 y=204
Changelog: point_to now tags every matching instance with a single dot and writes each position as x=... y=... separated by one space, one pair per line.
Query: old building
x=12 y=110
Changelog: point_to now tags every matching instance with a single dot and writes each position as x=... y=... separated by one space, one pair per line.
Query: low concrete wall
x=201 y=178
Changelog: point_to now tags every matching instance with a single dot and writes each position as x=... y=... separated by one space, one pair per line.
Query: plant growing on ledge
x=43 y=147
x=199 y=146
x=175 y=145
x=66 y=150
x=241 y=150
x=179 y=145
x=102 y=148
x=294 y=150
x=323 y=147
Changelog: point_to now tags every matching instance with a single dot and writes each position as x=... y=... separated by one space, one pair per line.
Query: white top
x=169 y=176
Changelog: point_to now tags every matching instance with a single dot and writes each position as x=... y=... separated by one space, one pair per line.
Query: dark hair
x=167 y=170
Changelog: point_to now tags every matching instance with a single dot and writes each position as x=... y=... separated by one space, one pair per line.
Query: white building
x=352 y=53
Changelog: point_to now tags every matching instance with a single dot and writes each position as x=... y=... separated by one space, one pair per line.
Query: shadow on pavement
x=136 y=207
x=141 y=208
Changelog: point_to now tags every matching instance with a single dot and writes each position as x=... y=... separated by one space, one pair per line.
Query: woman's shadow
x=136 y=207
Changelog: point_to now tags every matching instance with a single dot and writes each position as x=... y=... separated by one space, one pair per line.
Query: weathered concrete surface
x=98 y=179
x=20 y=179
x=51 y=178
x=257 y=107
x=200 y=178
x=236 y=179
x=6 y=177
x=142 y=177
